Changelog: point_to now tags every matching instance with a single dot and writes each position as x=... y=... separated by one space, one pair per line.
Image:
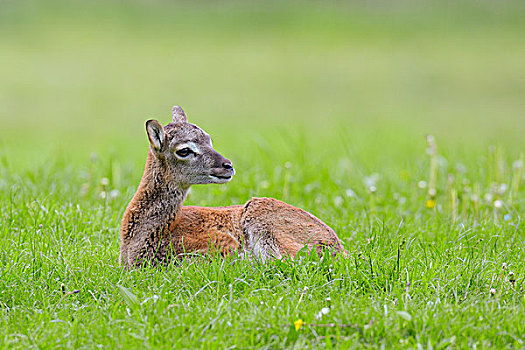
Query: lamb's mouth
x=222 y=175
x=227 y=177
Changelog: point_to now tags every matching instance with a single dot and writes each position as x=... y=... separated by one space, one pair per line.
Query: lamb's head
x=185 y=152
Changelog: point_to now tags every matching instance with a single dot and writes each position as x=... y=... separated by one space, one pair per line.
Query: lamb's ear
x=178 y=115
x=156 y=135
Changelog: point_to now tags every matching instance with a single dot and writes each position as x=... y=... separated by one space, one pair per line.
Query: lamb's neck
x=158 y=199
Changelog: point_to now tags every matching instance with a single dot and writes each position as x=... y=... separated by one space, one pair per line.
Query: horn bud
x=178 y=115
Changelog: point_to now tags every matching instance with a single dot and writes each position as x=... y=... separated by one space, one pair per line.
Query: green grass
x=314 y=104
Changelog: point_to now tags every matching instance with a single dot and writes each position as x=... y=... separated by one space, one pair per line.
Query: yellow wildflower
x=298 y=324
x=431 y=203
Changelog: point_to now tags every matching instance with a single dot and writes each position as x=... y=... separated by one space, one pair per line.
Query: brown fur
x=156 y=227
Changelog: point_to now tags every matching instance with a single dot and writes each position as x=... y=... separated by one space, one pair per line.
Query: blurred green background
x=373 y=76
x=322 y=104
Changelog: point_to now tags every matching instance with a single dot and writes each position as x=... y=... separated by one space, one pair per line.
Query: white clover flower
x=498 y=204
x=422 y=184
x=442 y=161
x=349 y=192
x=371 y=181
x=104 y=181
x=322 y=312
x=338 y=201
x=460 y=168
x=114 y=194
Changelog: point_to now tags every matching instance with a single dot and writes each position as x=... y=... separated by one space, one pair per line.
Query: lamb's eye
x=184 y=152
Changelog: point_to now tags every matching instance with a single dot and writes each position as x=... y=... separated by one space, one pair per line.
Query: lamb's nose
x=227 y=165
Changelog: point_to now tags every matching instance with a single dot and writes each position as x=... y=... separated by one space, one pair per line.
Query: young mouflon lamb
x=156 y=227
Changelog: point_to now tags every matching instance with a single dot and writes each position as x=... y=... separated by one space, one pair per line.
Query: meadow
x=400 y=125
